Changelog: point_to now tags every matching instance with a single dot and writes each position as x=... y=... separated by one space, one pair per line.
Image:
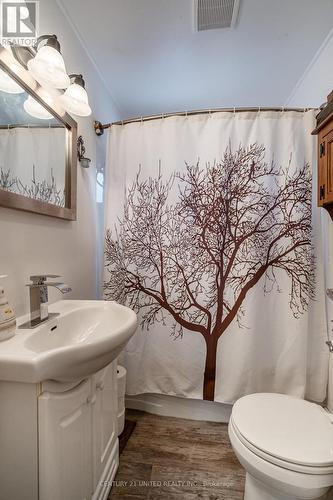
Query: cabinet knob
x=322 y=149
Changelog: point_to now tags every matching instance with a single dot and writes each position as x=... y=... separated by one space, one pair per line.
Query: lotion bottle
x=7 y=316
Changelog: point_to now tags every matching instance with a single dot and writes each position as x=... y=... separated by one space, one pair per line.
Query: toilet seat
x=285 y=431
x=304 y=469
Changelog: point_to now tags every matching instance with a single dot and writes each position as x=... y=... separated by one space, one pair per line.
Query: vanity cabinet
x=62 y=442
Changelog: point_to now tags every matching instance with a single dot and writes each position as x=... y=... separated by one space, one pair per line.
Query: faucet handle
x=40 y=278
x=62 y=287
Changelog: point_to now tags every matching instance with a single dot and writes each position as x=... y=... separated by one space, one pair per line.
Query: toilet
x=285 y=445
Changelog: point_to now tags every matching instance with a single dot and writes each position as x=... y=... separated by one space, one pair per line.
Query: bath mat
x=126 y=434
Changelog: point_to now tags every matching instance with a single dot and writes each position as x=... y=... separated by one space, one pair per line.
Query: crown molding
x=309 y=67
x=83 y=44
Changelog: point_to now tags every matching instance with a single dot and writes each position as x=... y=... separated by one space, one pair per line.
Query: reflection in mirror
x=33 y=146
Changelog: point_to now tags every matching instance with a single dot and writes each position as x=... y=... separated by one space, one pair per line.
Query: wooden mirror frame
x=18 y=201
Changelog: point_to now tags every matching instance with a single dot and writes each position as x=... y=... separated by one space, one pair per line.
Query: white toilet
x=285 y=445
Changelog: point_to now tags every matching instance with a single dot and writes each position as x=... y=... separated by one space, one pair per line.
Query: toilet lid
x=290 y=429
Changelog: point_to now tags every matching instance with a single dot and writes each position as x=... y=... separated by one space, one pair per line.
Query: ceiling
x=153 y=61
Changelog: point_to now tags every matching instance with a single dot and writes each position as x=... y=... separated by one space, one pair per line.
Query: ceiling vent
x=216 y=14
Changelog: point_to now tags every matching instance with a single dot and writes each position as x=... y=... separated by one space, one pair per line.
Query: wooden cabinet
x=324 y=131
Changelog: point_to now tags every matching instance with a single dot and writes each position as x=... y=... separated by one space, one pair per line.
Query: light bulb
x=33 y=108
x=48 y=68
x=75 y=100
x=8 y=84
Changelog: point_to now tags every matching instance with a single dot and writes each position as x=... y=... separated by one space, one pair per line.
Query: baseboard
x=172 y=406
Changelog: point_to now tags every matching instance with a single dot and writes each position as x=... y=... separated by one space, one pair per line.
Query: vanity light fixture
x=84 y=162
x=75 y=98
x=33 y=108
x=48 y=66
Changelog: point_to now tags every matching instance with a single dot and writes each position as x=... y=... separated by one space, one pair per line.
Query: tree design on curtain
x=234 y=223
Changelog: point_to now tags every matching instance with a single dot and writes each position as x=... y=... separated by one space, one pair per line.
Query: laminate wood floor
x=172 y=458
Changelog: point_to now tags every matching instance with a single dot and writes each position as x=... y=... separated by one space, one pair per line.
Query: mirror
x=32 y=152
x=37 y=146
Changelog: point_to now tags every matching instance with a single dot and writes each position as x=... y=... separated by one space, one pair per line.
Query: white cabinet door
x=65 y=444
x=104 y=421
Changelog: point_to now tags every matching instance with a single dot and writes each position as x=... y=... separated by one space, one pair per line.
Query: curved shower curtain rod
x=99 y=127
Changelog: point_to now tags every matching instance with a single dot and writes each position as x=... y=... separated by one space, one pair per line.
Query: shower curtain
x=213 y=238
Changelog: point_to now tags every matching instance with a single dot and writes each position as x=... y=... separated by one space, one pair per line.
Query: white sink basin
x=84 y=338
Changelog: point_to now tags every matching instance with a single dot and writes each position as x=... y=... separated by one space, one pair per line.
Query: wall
x=30 y=243
x=317 y=81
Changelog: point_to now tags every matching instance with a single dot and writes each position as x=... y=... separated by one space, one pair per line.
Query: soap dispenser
x=7 y=316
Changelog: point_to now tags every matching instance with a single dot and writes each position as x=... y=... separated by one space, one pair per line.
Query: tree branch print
x=235 y=222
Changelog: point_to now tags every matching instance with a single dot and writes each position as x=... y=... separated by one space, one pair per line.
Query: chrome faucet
x=39 y=298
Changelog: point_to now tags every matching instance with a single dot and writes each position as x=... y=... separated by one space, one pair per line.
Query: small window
x=100 y=187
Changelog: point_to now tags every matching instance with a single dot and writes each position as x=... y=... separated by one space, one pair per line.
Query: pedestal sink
x=84 y=338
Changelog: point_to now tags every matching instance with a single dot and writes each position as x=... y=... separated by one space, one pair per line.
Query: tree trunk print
x=234 y=223
x=210 y=367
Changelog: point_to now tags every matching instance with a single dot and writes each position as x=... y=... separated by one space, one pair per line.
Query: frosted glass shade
x=75 y=100
x=33 y=108
x=48 y=68
x=7 y=84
